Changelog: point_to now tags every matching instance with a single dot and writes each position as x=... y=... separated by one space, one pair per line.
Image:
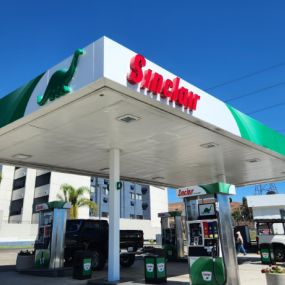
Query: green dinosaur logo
x=207 y=210
x=59 y=82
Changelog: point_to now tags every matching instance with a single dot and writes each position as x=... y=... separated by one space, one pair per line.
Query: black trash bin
x=266 y=253
x=155 y=268
x=82 y=265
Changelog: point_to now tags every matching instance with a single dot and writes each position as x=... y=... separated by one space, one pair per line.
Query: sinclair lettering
x=190 y=191
x=155 y=83
x=185 y=192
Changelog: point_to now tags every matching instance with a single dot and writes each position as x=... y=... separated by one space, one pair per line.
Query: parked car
x=93 y=235
x=272 y=232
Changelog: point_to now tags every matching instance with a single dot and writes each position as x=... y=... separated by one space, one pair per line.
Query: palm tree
x=76 y=199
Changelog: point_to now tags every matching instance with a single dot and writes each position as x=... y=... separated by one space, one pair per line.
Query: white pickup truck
x=272 y=232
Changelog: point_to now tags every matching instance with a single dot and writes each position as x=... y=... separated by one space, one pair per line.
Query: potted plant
x=25 y=260
x=274 y=275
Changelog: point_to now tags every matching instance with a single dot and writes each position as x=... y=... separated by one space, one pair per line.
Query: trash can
x=155 y=268
x=82 y=265
x=266 y=253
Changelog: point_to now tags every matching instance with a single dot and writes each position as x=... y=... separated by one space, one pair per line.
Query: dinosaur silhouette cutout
x=59 y=82
x=207 y=210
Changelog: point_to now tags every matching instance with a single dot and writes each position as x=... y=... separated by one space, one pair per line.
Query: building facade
x=134 y=198
x=22 y=189
x=267 y=206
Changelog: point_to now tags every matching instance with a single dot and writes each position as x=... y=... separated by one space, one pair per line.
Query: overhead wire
x=255 y=91
x=266 y=108
x=248 y=75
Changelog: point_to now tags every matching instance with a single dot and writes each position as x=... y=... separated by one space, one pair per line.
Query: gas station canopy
x=169 y=132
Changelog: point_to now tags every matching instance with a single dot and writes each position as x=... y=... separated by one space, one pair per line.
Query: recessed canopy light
x=104 y=169
x=158 y=178
x=128 y=118
x=21 y=156
x=209 y=145
x=253 y=160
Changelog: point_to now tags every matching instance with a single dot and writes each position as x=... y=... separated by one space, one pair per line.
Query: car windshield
x=72 y=226
x=270 y=228
x=278 y=228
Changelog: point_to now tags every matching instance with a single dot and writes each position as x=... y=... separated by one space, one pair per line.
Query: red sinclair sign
x=155 y=83
x=191 y=191
x=185 y=192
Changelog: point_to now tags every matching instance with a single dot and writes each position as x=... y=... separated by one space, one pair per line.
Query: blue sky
x=205 y=42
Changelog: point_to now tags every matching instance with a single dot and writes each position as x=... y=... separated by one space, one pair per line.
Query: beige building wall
x=22 y=228
x=57 y=179
x=158 y=204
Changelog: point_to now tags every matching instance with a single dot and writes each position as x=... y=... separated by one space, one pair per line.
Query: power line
x=248 y=75
x=255 y=91
x=266 y=108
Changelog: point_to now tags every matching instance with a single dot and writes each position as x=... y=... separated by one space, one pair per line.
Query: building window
x=132 y=196
x=144 y=206
x=43 y=179
x=144 y=190
x=38 y=201
x=16 y=207
x=19 y=183
x=139 y=197
x=105 y=191
x=105 y=214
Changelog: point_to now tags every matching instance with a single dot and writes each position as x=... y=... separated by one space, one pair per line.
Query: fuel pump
x=173 y=233
x=49 y=246
x=205 y=251
x=205 y=256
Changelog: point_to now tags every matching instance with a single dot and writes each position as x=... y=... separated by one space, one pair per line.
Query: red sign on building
x=155 y=83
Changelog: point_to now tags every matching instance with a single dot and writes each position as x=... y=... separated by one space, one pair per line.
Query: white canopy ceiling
x=163 y=146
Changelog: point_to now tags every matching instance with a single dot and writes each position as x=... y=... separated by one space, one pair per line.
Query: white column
x=27 y=211
x=114 y=217
x=6 y=187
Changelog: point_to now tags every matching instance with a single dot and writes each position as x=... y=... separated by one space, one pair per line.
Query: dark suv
x=93 y=235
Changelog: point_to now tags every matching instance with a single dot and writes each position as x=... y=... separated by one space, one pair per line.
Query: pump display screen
x=207 y=210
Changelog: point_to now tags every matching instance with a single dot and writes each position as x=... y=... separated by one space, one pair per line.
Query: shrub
x=273 y=269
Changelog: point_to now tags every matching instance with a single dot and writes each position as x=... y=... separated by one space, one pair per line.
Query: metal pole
x=227 y=239
x=99 y=195
x=58 y=239
x=114 y=217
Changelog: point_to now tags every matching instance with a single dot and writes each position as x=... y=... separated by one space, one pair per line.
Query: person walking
x=239 y=243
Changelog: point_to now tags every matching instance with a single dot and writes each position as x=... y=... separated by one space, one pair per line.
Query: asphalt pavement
x=249 y=271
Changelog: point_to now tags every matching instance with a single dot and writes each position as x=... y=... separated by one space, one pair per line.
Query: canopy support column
x=114 y=217
x=227 y=238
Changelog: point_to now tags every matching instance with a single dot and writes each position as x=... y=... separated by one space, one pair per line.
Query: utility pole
x=263 y=189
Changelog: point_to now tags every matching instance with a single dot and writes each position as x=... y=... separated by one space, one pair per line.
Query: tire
x=98 y=259
x=279 y=253
x=127 y=260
